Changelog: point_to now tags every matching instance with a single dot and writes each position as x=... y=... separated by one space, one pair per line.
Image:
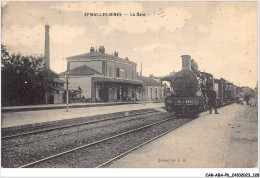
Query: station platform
x=62 y=106
x=225 y=140
x=21 y=118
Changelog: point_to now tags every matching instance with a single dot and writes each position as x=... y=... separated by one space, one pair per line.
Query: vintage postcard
x=130 y=84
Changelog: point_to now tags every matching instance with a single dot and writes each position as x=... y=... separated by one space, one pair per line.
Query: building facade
x=55 y=92
x=103 y=77
x=153 y=90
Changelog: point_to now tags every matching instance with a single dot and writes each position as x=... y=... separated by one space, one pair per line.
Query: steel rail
x=86 y=124
x=132 y=149
x=91 y=144
x=73 y=125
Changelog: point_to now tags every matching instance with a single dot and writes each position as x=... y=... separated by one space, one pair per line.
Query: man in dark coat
x=211 y=94
x=247 y=98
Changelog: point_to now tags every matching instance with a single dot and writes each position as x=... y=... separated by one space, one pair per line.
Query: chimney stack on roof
x=126 y=58
x=116 y=54
x=92 y=49
x=102 y=49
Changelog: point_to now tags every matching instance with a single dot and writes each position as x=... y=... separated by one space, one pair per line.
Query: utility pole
x=67 y=76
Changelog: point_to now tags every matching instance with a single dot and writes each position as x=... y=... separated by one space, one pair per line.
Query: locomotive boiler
x=187 y=95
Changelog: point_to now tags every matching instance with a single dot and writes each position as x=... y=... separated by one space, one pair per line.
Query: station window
x=117 y=72
x=110 y=71
x=151 y=93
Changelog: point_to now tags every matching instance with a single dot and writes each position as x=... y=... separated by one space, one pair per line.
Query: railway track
x=73 y=125
x=97 y=142
x=142 y=114
x=132 y=149
x=88 y=139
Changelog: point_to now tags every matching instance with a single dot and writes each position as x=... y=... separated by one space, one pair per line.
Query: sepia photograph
x=130 y=84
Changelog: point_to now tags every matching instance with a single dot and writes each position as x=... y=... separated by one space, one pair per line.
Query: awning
x=56 y=88
x=117 y=80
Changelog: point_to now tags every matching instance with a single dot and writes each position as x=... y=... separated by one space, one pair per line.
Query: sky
x=220 y=36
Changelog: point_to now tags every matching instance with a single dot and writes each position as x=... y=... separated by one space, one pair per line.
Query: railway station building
x=153 y=90
x=104 y=77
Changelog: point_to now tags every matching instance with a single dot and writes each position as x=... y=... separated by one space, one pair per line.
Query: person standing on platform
x=211 y=94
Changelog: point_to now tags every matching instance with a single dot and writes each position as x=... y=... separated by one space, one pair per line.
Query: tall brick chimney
x=47 y=47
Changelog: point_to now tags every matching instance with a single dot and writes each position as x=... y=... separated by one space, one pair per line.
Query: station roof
x=56 y=88
x=82 y=70
x=99 y=55
x=150 y=81
x=167 y=78
x=58 y=80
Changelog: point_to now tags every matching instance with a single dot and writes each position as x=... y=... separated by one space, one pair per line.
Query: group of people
x=239 y=101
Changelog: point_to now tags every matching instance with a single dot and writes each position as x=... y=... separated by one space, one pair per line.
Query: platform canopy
x=117 y=80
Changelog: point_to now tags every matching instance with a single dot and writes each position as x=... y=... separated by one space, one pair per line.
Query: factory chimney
x=47 y=47
x=141 y=69
x=186 y=62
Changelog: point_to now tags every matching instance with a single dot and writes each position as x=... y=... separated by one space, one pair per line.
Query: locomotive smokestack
x=186 y=62
x=47 y=47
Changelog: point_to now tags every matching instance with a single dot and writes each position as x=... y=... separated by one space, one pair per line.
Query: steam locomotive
x=187 y=94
